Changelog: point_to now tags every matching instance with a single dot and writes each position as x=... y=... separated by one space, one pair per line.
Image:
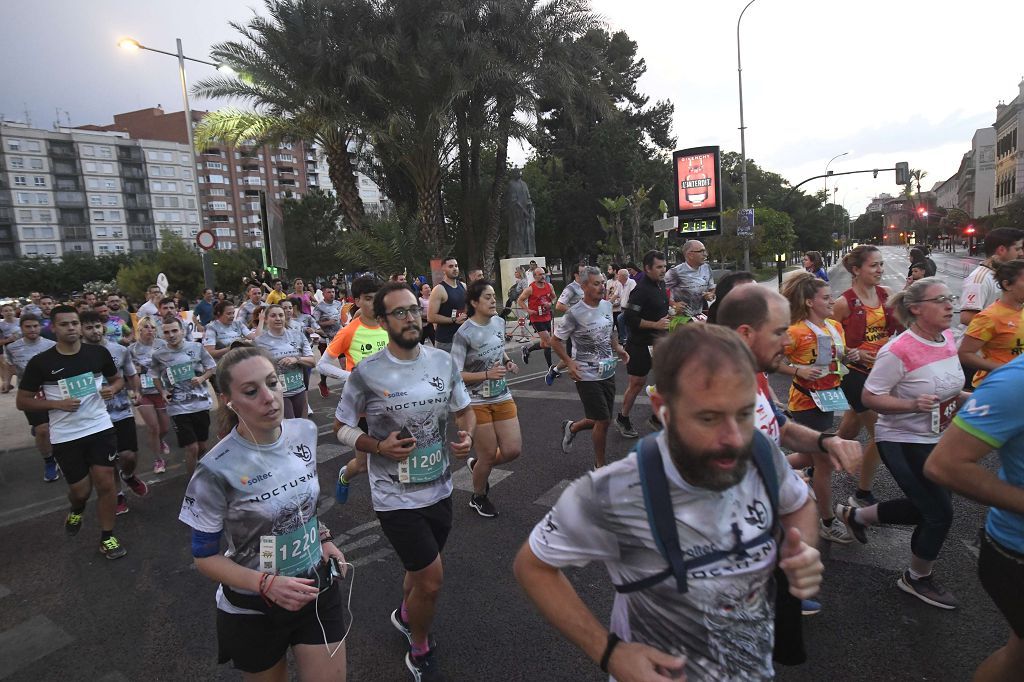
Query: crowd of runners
x=708 y=531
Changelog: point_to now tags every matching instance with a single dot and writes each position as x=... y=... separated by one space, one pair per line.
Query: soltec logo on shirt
x=395 y=394
x=253 y=480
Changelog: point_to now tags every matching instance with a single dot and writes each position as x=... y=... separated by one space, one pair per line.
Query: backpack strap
x=660 y=514
x=764 y=460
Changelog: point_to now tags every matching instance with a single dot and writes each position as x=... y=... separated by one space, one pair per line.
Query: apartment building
x=374 y=201
x=1009 y=170
x=72 y=191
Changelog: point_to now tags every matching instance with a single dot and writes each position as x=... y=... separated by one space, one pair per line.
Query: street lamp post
x=132 y=44
x=743 y=130
x=826 y=185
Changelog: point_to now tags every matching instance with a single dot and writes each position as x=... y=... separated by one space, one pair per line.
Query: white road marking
x=28 y=642
x=549 y=498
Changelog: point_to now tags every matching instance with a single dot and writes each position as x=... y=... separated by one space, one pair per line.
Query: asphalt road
x=67 y=613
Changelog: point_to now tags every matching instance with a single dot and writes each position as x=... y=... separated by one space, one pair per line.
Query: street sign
x=206 y=239
x=745 y=226
x=835 y=236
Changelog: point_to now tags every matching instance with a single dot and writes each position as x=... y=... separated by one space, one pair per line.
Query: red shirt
x=540 y=299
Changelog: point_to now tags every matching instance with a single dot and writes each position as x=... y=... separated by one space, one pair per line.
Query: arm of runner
x=954 y=464
x=523 y=299
x=466 y=420
x=437 y=297
x=328 y=368
x=969 y=357
x=844 y=455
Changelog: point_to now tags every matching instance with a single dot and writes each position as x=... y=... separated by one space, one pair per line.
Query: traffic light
x=969 y=229
x=902 y=173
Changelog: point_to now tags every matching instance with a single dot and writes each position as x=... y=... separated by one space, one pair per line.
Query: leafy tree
x=313 y=235
x=613 y=227
x=869 y=227
x=183 y=267
x=773 y=234
x=70 y=274
x=388 y=243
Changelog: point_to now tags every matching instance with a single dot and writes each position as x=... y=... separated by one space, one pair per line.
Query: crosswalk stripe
x=549 y=498
x=28 y=642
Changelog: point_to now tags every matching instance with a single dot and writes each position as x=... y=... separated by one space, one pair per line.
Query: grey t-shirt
x=120 y=406
x=9 y=330
x=590 y=329
x=328 y=316
x=222 y=335
x=246 y=312
x=251 y=492
x=415 y=394
x=477 y=348
x=688 y=286
x=291 y=343
x=571 y=295
x=142 y=357
x=176 y=367
x=19 y=352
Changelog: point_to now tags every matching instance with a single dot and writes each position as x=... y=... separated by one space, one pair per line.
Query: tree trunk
x=343 y=176
x=497 y=196
x=468 y=207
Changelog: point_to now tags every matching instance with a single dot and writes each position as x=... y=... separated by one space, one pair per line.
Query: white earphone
x=663 y=415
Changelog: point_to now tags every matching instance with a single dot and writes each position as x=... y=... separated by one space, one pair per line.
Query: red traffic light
x=920 y=210
x=969 y=229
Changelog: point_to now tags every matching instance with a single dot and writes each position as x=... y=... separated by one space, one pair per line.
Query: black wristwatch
x=821 y=441
x=613 y=640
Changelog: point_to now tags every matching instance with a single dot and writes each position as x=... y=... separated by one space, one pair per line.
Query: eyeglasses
x=942 y=299
x=697 y=251
x=402 y=313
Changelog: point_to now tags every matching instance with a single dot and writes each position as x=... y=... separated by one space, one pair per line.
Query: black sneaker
x=401 y=625
x=860 y=500
x=848 y=516
x=483 y=506
x=73 y=523
x=112 y=549
x=526 y=355
x=654 y=423
x=424 y=668
x=928 y=590
x=625 y=427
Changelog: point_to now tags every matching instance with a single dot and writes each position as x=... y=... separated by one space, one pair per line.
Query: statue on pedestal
x=521 y=238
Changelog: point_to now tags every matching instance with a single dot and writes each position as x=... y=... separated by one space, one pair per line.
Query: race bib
x=180 y=373
x=830 y=400
x=606 y=368
x=942 y=416
x=291 y=554
x=292 y=380
x=78 y=387
x=423 y=465
x=146 y=381
x=492 y=388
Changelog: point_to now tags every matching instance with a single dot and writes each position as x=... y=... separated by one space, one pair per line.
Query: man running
x=595 y=355
x=407 y=392
x=247 y=310
x=570 y=296
x=151 y=306
x=536 y=300
x=447 y=308
x=16 y=357
x=361 y=338
x=980 y=289
x=82 y=435
x=712 y=617
x=329 y=316
x=691 y=283
x=32 y=307
x=203 y=312
x=119 y=407
x=180 y=370
x=277 y=294
x=646 y=315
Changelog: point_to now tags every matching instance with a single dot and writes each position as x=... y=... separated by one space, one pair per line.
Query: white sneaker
x=567 y=435
x=836 y=532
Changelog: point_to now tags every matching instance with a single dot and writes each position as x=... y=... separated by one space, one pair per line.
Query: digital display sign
x=696 y=227
x=697 y=173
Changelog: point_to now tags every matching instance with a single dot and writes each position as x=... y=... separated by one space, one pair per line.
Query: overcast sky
x=887 y=81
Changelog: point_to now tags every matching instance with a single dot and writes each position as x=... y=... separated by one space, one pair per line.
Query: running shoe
x=526 y=355
x=159 y=465
x=401 y=625
x=836 y=531
x=928 y=590
x=341 y=489
x=849 y=519
x=483 y=506
x=625 y=427
x=324 y=391
x=165 y=449
x=424 y=668
x=136 y=484
x=567 y=435
x=654 y=423
x=809 y=607
x=111 y=548
x=73 y=523
x=122 y=505
x=471 y=463
x=552 y=374
x=858 y=501
x=51 y=472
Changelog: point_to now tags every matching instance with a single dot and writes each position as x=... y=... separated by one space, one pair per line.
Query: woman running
x=479 y=349
x=147 y=398
x=224 y=330
x=996 y=334
x=868 y=324
x=291 y=351
x=814 y=264
x=278 y=575
x=916 y=386
x=428 y=329
x=815 y=358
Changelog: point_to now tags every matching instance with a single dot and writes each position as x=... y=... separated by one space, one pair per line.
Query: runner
x=247 y=311
x=114 y=328
x=980 y=289
x=479 y=349
x=724 y=286
x=536 y=299
x=915 y=386
x=277 y=294
x=691 y=284
x=10 y=330
x=32 y=307
x=646 y=315
x=428 y=329
x=149 y=401
x=151 y=306
x=119 y=407
x=299 y=292
x=361 y=338
x=570 y=296
x=814 y=264
x=81 y=432
x=868 y=324
x=447 y=305
x=992 y=420
x=996 y=334
x=410 y=472
x=224 y=330
x=595 y=355
x=278 y=589
x=291 y=351
x=46 y=304
x=16 y=357
x=203 y=312
x=180 y=369
x=329 y=316
x=816 y=353
x=713 y=621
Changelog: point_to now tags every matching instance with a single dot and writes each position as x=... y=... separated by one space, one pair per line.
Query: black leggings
x=927 y=506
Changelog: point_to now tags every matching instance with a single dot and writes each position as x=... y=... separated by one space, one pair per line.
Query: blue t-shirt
x=993 y=415
x=204 y=311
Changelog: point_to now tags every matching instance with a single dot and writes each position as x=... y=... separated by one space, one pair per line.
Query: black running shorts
x=254 y=643
x=853 y=389
x=1001 y=571
x=598 y=398
x=418 y=535
x=76 y=456
x=639 y=364
x=127 y=435
x=193 y=427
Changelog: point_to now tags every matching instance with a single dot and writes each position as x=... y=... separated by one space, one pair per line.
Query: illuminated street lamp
x=780 y=261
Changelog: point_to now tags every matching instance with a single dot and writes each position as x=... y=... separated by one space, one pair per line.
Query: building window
x=185 y=159
x=17 y=162
x=92 y=183
x=88 y=150
x=98 y=216
x=107 y=167
x=24 y=198
x=34 y=146
x=42 y=199
x=45 y=215
x=110 y=184
x=45 y=232
x=106 y=153
x=20 y=181
x=25 y=214
x=39 y=181
x=14 y=145
x=35 y=164
x=95 y=200
x=110 y=200
x=90 y=166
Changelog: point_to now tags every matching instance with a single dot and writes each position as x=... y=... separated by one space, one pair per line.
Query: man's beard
x=697 y=467
x=404 y=342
